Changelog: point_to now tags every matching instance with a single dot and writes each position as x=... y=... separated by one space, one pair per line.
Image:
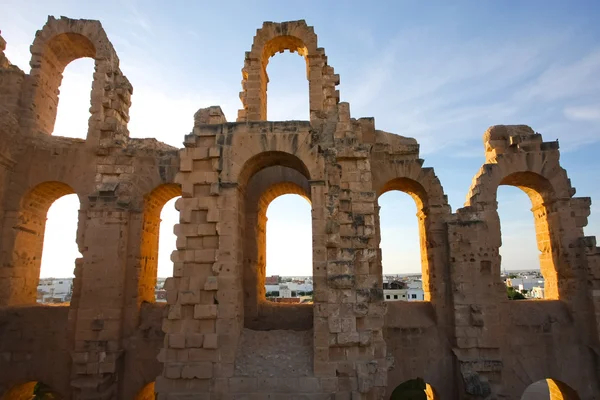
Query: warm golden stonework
x=218 y=337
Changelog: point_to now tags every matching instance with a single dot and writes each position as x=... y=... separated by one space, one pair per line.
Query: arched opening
x=529 y=273
x=147 y=393
x=287 y=89
x=32 y=391
x=549 y=389
x=265 y=178
x=48 y=66
x=59 y=252
x=403 y=241
x=288 y=250
x=73 y=114
x=28 y=233
x=157 y=234
x=400 y=255
x=414 y=389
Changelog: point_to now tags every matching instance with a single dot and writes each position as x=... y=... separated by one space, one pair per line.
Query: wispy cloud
x=446 y=92
x=567 y=80
x=583 y=113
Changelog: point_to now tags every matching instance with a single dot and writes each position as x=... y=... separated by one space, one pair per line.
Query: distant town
x=520 y=285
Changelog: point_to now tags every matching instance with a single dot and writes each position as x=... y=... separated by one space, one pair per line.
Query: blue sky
x=436 y=71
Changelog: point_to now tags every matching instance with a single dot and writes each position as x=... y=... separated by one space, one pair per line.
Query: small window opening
x=287 y=90
x=73 y=110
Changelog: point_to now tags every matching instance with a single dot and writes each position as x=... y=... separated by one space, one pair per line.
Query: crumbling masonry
x=217 y=337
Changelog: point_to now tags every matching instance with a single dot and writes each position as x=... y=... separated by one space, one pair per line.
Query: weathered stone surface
x=217 y=337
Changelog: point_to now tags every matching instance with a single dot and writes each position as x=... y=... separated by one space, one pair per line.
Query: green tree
x=43 y=392
x=513 y=294
x=413 y=389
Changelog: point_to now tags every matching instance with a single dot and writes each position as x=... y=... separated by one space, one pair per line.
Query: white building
x=285 y=291
x=526 y=286
x=290 y=289
x=410 y=294
x=53 y=290
x=394 y=294
x=537 y=292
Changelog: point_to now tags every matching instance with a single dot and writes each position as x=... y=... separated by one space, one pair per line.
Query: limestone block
x=210 y=341
x=334 y=324
x=176 y=340
x=174 y=311
x=211 y=283
x=348 y=339
x=189 y=296
x=173 y=370
x=205 y=311
x=199 y=370
x=194 y=340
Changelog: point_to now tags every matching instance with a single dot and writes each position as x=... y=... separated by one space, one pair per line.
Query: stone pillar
x=204 y=296
x=479 y=297
x=350 y=304
x=434 y=253
x=99 y=308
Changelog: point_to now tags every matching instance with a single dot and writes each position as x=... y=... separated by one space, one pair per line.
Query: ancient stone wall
x=218 y=337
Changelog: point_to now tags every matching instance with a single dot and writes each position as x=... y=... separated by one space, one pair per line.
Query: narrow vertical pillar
x=97 y=348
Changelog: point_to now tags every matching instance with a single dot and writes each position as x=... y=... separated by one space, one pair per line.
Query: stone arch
x=432 y=208
x=27 y=391
x=29 y=224
x=147 y=392
x=414 y=389
x=552 y=388
x=273 y=38
x=531 y=172
x=57 y=44
x=148 y=264
x=548 y=188
x=266 y=159
x=270 y=178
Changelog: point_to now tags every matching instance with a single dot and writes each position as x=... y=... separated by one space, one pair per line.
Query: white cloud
x=583 y=113
x=569 y=80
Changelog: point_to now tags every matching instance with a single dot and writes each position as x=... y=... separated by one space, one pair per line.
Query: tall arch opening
x=400 y=248
x=549 y=389
x=288 y=246
x=268 y=177
x=28 y=234
x=273 y=38
x=50 y=58
x=527 y=254
x=60 y=251
x=157 y=242
x=32 y=391
x=73 y=101
x=403 y=244
x=287 y=88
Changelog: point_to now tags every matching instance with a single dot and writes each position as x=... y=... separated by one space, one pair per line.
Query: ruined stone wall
x=35 y=346
x=107 y=339
x=217 y=337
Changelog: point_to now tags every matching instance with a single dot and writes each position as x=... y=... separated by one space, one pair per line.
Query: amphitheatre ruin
x=217 y=337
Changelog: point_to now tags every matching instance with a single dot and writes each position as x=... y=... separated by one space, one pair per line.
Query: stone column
x=479 y=297
x=99 y=308
x=204 y=296
x=350 y=306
